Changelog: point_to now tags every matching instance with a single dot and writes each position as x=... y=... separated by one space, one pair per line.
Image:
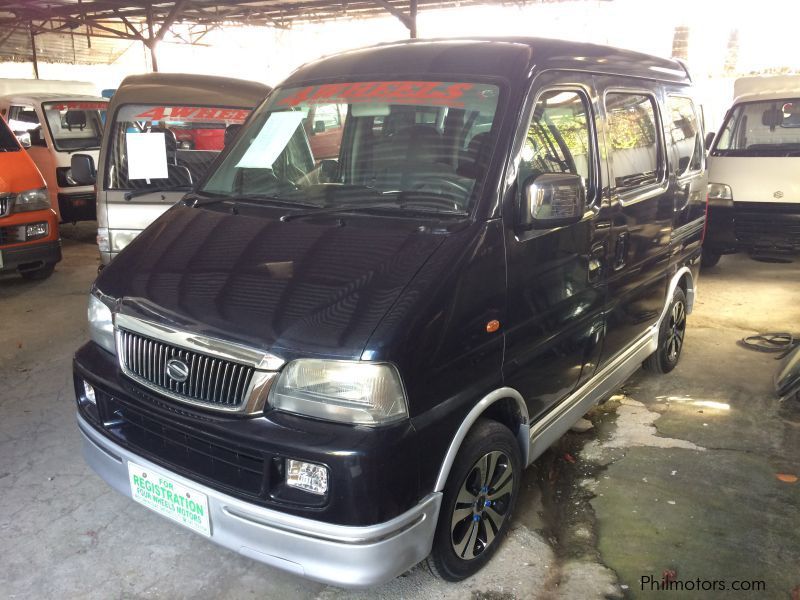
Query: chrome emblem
x=778 y=195
x=177 y=370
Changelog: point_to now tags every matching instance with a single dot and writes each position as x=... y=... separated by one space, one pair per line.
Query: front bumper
x=31 y=256
x=753 y=227
x=340 y=555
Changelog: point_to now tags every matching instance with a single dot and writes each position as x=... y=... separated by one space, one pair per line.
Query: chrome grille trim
x=222 y=376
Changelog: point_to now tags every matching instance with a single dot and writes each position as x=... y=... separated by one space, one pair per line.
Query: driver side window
x=558 y=137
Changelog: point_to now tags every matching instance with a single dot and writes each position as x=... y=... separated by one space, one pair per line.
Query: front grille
x=79 y=197
x=12 y=235
x=212 y=381
x=770 y=225
x=225 y=464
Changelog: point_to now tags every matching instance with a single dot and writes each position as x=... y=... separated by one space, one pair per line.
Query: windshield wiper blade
x=156 y=190
x=203 y=199
x=403 y=206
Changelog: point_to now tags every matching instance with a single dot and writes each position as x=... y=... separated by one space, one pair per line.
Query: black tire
x=489 y=456
x=40 y=273
x=670 y=337
x=709 y=258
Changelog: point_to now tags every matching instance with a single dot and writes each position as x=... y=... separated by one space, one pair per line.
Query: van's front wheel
x=670 y=336
x=479 y=499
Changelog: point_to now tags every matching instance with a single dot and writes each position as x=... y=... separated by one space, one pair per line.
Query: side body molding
x=473 y=415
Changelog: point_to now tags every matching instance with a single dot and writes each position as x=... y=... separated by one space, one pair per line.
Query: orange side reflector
x=492 y=326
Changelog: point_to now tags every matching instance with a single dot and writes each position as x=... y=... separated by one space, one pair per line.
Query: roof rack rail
x=682 y=62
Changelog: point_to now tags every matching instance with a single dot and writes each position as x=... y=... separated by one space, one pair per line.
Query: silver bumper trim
x=340 y=555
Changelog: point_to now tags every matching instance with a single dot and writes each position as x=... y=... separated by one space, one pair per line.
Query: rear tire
x=479 y=500
x=40 y=273
x=671 y=336
x=709 y=258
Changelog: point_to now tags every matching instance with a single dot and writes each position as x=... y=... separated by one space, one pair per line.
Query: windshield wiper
x=203 y=199
x=156 y=190
x=403 y=206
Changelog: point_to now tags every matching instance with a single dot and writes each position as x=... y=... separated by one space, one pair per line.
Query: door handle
x=621 y=251
x=595 y=266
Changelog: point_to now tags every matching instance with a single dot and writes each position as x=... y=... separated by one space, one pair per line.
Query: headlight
x=345 y=391
x=719 y=194
x=101 y=324
x=32 y=200
x=120 y=238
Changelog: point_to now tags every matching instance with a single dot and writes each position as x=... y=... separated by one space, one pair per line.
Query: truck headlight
x=32 y=200
x=101 y=324
x=336 y=390
x=719 y=194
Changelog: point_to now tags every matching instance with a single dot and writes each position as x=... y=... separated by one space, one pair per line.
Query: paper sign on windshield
x=147 y=155
x=271 y=140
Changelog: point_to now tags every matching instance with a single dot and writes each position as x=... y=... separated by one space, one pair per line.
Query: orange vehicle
x=29 y=240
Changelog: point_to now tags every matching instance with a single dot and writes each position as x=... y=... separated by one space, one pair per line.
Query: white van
x=52 y=126
x=164 y=131
x=754 y=172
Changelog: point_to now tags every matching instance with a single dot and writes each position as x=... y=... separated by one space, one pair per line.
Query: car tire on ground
x=40 y=273
x=478 y=503
x=709 y=259
x=671 y=336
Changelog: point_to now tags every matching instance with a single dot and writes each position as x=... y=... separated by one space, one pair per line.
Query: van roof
x=186 y=89
x=510 y=58
x=759 y=87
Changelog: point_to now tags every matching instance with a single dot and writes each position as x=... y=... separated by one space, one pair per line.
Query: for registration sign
x=169 y=498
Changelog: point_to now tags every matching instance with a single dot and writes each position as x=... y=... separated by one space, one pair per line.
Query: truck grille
x=768 y=225
x=212 y=381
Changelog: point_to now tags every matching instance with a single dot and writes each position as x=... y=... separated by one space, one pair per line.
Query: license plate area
x=162 y=494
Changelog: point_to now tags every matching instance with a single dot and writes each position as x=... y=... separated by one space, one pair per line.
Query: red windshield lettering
x=457 y=90
x=299 y=97
x=329 y=91
x=156 y=114
x=181 y=112
x=206 y=113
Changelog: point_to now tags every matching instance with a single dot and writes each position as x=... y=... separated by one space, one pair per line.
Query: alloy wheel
x=676 y=332
x=482 y=505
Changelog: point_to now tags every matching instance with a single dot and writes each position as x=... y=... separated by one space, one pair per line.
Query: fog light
x=88 y=393
x=35 y=231
x=307 y=476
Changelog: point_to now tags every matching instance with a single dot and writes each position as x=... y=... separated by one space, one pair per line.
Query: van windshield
x=167 y=146
x=76 y=125
x=8 y=143
x=408 y=145
x=763 y=128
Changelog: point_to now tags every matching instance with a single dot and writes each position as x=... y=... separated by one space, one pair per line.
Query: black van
x=341 y=367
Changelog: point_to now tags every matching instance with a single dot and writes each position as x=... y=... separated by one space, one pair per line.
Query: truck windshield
x=405 y=145
x=167 y=147
x=8 y=143
x=76 y=125
x=763 y=128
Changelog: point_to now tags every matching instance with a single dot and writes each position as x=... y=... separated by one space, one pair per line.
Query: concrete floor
x=679 y=473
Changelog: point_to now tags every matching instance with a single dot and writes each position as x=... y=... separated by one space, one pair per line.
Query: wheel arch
x=504 y=405
x=684 y=279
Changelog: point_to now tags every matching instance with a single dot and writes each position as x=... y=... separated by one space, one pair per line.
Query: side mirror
x=553 y=200
x=329 y=170
x=709 y=139
x=83 y=170
x=319 y=126
x=24 y=138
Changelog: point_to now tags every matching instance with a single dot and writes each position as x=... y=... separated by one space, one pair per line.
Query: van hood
x=305 y=287
x=757 y=178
